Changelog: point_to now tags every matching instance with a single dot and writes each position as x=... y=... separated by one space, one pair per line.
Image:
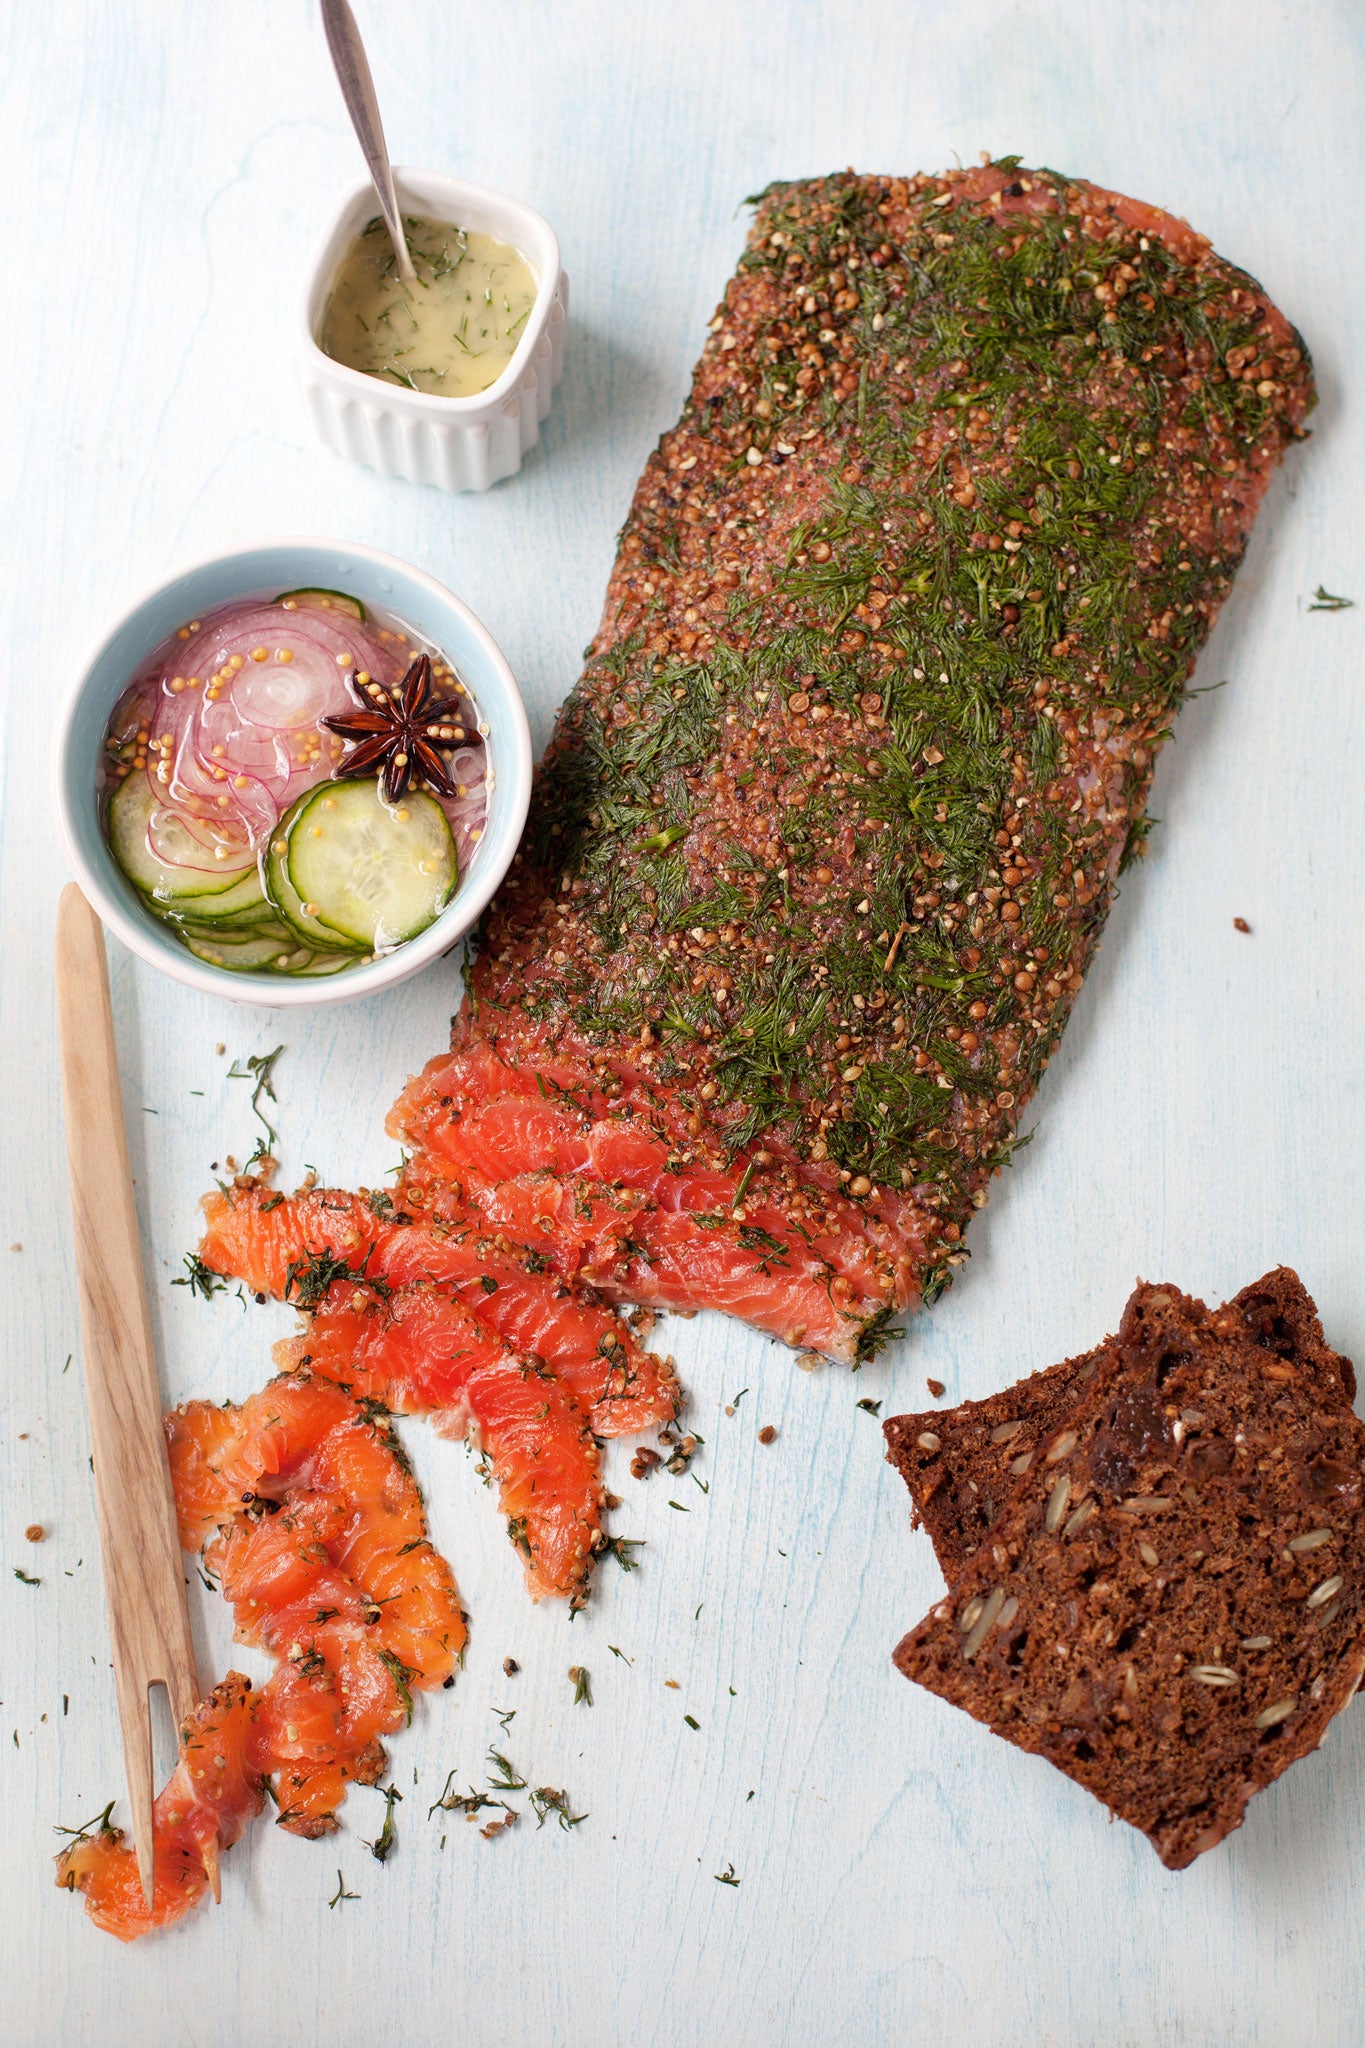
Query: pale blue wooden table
x=903 y=1877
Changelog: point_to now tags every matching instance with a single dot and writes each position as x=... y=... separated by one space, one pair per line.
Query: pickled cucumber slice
x=372 y=872
x=320 y=600
x=251 y=956
x=131 y=808
x=296 y=914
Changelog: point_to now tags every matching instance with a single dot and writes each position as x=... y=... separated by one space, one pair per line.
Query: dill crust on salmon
x=901 y=614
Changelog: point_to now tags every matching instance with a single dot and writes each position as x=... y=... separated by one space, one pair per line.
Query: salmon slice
x=608 y=1193
x=301 y=1730
x=318 y=1539
x=423 y=1352
x=317 y=1514
x=215 y=1789
x=296 y=1246
x=223 y=1457
x=676 y=1260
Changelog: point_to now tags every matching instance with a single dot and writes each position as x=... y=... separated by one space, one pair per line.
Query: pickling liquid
x=452 y=332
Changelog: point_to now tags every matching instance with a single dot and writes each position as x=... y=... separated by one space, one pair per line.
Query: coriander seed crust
x=901 y=613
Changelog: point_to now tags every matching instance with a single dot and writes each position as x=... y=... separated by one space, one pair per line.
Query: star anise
x=394 y=733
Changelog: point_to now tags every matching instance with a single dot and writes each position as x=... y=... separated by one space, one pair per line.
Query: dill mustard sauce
x=452 y=332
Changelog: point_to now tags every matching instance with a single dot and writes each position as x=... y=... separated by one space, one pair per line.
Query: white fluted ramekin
x=459 y=444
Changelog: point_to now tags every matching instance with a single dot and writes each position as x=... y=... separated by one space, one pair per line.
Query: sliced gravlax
x=617 y=1097
x=305 y=1510
x=477 y=1111
x=320 y=1544
x=608 y=1194
x=961 y=1464
x=634 y=1251
x=422 y=1352
x=583 y=1228
x=1170 y=1606
x=284 y=1245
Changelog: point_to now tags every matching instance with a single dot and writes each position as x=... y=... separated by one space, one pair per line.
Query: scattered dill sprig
x=1324 y=601
x=341 y=1892
x=504 y=1776
x=582 y=1689
x=259 y=1069
x=101 y=1824
x=307 y=1280
x=402 y=1681
x=727 y=1876
x=545 y=1800
x=382 y=1847
x=468 y=1803
x=202 y=1280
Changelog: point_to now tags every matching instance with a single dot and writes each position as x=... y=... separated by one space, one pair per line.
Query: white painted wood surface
x=904 y=1877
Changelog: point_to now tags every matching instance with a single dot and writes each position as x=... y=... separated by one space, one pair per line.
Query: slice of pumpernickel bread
x=1171 y=1604
x=962 y=1464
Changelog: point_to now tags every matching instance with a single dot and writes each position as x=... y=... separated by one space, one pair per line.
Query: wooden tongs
x=144 y=1584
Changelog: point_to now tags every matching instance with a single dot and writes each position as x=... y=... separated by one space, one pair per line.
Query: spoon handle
x=357 y=89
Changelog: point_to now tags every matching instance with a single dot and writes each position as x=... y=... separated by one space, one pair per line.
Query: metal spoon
x=357 y=89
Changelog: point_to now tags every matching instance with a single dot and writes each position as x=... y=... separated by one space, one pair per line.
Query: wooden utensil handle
x=143 y=1574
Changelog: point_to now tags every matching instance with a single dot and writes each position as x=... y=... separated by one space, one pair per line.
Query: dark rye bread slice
x=961 y=1464
x=1171 y=1605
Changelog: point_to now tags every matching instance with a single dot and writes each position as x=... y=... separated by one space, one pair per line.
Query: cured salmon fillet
x=306 y=1512
x=827 y=832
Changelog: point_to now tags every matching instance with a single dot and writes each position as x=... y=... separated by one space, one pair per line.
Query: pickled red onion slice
x=233 y=716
